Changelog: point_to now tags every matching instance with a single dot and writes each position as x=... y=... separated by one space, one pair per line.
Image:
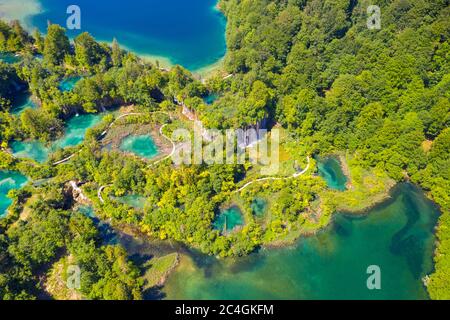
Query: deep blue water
x=22 y=102
x=190 y=33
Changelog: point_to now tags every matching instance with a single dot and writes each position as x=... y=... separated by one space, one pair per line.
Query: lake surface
x=9 y=180
x=330 y=169
x=75 y=133
x=76 y=129
x=22 y=101
x=190 y=33
x=9 y=58
x=69 y=83
x=210 y=98
x=133 y=200
x=229 y=219
x=87 y=210
x=396 y=236
x=142 y=146
x=30 y=150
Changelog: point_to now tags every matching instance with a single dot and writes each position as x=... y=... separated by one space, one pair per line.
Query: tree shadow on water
x=154 y=293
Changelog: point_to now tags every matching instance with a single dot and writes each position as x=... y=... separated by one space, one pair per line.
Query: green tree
x=56 y=45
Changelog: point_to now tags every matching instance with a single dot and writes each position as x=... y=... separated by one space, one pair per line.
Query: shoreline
x=23 y=11
x=382 y=199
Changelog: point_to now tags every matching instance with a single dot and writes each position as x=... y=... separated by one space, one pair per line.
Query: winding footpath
x=130 y=114
x=173 y=147
x=295 y=175
x=110 y=126
x=99 y=194
x=100 y=190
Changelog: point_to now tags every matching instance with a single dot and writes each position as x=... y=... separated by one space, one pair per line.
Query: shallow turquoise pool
x=22 y=102
x=330 y=169
x=76 y=129
x=69 y=83
x=134 y=200
x=30 y=150
x=9 y=180
x=228 y=219
x=9 y=58
x=142 y=146
x=397 y=236
x=74 y=135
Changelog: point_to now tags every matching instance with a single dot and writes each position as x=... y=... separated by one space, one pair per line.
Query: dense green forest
x=382 y=95
x=309 y=67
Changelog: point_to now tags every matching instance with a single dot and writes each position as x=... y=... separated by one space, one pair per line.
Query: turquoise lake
x=88 y=211
x=9 y=180
x=229 y=219
x=210 y=98
x=75 y=133
x=133 y=200
x=330 y=170
x=76 y=129
x=189 y=33
x=69 y=83
x=142 y=146
x=9 y=58
x=30 y=149
x=397 y=236
x=23 y=100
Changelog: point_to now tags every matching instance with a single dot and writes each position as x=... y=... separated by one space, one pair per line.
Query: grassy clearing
x=157 y=270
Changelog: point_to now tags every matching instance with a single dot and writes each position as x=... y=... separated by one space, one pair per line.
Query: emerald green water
x=69 y=83
x=259 y=207
x=330 y=169
x=209 y=99
x=142 y=146
x=397 y=236
x=88 y=211
x=74 y=135
x=76 y=130
x=31 y=150
x=9 y=180
x=133 y=200
x=231 y=217
x=9 y=58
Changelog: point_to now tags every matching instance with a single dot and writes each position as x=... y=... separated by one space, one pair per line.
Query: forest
x=311 y=68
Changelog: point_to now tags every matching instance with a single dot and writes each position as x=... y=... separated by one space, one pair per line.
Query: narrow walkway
x=66 y=159
x=99 y=193
x=109 y=127
x=160 y=131
x=173 y=147
x=295 y=175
